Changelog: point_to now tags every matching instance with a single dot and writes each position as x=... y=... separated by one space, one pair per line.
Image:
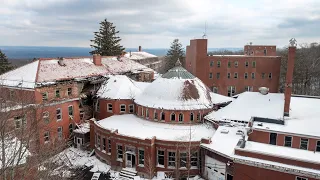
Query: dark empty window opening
x=273 y=138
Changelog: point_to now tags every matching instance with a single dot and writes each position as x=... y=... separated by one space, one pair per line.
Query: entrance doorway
x=130 y=160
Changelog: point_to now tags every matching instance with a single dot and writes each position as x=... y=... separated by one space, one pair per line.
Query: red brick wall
x=278 y=159
x=198 y=63
x=186 y=114
x=103 y=113
x=242 y=172
x=263 y=137
x=258 y=50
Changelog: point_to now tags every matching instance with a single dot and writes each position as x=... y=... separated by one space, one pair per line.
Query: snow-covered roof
x=131 y=125
x=175 y=94
x=251 y=104
x=139 y=55
x=282 y=152
x=176 y=90
x=48 y=70
x=119 y=87
x=82 y=128
x=24 y=76
x=303 y=119
x=219 y=99
x=123 y=65
x=225 y=140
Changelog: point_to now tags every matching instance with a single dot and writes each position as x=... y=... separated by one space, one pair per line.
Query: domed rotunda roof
x=177 y=89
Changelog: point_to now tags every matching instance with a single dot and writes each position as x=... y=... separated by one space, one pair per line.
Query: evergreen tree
x=5 y=65
x=106 y=42
x=174 y=53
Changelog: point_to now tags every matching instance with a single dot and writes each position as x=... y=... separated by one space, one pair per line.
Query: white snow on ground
x=251 y=104
x=282 y=152
x=167 y=94
x=24 y=76
x=131 y=125
x=303 y=118
x=224 y=143
x=118 y=87
x=16 y=152
x=219 y=99
x=74 y=158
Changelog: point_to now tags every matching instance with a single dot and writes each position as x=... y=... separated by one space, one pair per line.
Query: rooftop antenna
x=204 y=36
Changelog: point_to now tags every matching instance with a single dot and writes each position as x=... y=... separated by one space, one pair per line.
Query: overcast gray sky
x=155 y=23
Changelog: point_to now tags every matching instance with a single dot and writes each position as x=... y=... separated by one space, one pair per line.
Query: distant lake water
x=30 y=52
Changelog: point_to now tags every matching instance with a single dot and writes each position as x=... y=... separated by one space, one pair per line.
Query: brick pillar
x=97 y=60
x=289 y=77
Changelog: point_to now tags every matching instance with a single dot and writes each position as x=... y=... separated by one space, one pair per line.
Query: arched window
x=173 y=116
x=191 y=117
x=180 y=117
x=163 y=116
x=147 y=113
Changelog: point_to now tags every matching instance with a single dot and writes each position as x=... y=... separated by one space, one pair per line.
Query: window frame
x=109 y=145
x=301 y=143
x=171 y=115
x=183 y=158
x=229 y=75
x=218 y=64
x=229 y=64
x=317 y=146
x=60 y=133
x=131 y=108
x=172 y=159
x=232 y=89
x=236 y=64
x=140 y=157
x=301 y=178
x=155 y=115
x=69 y=91
x=211 y=63
x=180 y=117
x=57 y=93
x=45 y=96
x=46 y=135
x=191 y=117
x=59 y=114
x=270 y=76
x=199 y=117
x=254 y=64
x=194 y=158
x=72 y=112
x=123 y=106
x=246 y=64
x=275 y=139
x=104 y=147
x=119 y=149
x=210 y=75
x=218 y=75
x=147 y=113
x=109 y=107
x=46 y=117
x=263 y=75
x=235 y=76
x=284 y=144
x=163 y=116
x=253 y=75
x=162 y=156
x=215 y=89
x=245 y=75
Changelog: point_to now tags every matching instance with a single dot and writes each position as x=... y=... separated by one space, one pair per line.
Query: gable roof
x=48 y=70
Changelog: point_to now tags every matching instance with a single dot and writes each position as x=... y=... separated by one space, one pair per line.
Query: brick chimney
x=140 y=49
x=289 y=76
x=97 y=59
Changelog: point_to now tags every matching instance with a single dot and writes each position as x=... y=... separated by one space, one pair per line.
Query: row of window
x=57 y=94
x=304 y=142
x=46 y=114
x=173 y=117
x=104 y=147
x=172 y=159
x=232 y=89
x=20 y=121
x=246 y=75
x=59 y=133
x=236 y=64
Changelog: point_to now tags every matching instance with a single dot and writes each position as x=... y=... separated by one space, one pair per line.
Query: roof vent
x=61 y=62
x=264 y=90
x=224 y=131
x=260 y=124
x=239 y=132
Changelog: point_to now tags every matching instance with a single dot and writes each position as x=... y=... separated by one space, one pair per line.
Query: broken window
x=141 y=157
x=160 y=157
x=304 y=143
x=173 y=117
x=172 y=159
x=109 y=107
x=119 y=152
x=183 y=159
x=122 y=108
x=273 y=138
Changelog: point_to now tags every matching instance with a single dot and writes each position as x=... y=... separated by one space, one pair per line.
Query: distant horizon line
x=125 y=48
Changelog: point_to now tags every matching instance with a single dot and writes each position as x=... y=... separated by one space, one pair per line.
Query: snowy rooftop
x=282 y=152
x=224 y=140
x=219 y=99
x=82 y=128
x=303 y=119
x=131 y=125
x=48 y=70
x=120 y=87
x=251 y=104
x=139 y=55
